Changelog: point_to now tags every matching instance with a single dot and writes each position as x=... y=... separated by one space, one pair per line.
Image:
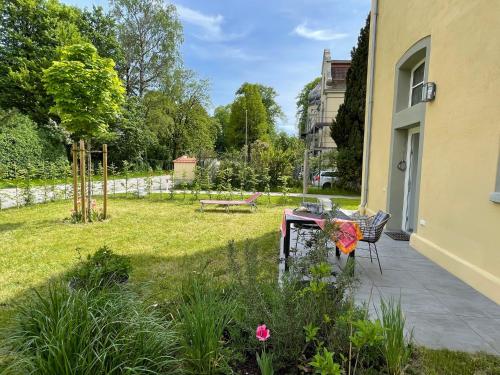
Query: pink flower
x=262 y=333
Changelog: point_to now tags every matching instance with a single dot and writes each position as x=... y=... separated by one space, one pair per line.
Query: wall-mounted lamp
x=428 y=91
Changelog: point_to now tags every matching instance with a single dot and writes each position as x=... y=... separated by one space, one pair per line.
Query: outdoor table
x=290 y=217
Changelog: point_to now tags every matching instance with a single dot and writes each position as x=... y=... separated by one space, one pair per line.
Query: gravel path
x=138 y=186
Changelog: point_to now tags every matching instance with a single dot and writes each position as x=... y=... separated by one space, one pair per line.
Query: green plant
x=252 y=180
x=171 y=194
x=323 y=363
x=112 y=173
x=198 y=181
x=160 y=180
x=126 y=173
x=24 y=142
x=367 y=338
x=86 y=332
x=228 y=187
x=311 y=314
x=53 y=175
x=65 y=170
x=26 y=184
x=283 y=179
x=184 y=185
x=266 y=179
x=208 y=184
x=101 y=269
x=265 y=362
x=204 y=315
x=45 y=176
x=242 y=177
x=148 y=181
x=397 y=350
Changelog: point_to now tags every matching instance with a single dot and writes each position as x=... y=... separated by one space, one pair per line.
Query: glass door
x=410 y=196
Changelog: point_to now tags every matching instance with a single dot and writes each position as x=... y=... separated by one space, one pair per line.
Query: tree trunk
x=89 y=182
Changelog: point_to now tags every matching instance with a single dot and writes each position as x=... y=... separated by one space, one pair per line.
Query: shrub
x=285 y=308
x=91 y=332
x=23 y=144
x=102 y=269
x=204 y=316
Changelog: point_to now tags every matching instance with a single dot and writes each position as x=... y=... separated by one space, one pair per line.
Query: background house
x=435 y=166
x=324 y=102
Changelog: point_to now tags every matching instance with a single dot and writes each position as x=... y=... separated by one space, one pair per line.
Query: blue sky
x=278 y=43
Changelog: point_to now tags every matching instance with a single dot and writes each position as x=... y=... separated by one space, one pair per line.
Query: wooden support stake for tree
x=74 y=151
x=82 y=180
x=105 y=178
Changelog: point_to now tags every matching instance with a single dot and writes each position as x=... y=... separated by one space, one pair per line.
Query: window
x=416 y=84
x=328 y=174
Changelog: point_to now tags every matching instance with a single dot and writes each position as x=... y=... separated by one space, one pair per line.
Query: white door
x=410 y=197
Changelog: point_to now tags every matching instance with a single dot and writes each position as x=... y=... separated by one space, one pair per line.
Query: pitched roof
x=185 y=159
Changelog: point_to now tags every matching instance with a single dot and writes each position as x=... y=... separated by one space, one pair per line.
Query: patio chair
x=372 y=228
x=250 y=201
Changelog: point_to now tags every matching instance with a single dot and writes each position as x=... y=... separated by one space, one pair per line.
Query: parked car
x=325 y=179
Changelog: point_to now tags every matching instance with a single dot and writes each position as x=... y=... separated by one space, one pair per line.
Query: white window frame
x=411 y=132
x=412 y=86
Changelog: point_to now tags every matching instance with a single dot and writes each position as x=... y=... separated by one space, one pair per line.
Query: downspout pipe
x=368 y=122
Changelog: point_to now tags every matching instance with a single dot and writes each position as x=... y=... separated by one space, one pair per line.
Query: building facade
x=434 y=163
x=324 y=102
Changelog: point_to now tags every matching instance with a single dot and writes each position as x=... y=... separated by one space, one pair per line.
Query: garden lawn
x=164 y=238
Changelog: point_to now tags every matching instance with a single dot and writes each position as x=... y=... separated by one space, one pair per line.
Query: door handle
x=402 y=165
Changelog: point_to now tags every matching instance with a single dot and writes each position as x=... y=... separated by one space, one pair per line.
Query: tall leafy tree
x=28 y=44
x=247 y=108
x=150 y=34
x=132 y=138
x=303 y=103
x=222 y=116
x=177 y=116
x=86 y=89
x=268 y=95
x=348 y=127
x=100 y=28
x=31 y=35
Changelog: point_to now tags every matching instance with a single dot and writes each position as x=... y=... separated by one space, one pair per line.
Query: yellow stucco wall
x=461 y=141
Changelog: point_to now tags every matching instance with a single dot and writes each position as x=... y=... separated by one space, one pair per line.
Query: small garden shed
x=184 y=167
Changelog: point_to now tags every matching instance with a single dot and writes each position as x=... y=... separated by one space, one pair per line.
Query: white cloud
x=320 y=34
x=210 y=25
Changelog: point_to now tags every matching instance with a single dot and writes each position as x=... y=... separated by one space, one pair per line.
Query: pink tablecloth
x=346 y=237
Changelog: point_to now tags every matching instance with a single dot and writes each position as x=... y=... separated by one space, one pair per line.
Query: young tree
x=86 y=90
x=303 y=103
x=348 y=127
x=150 y=34
x=87 y=93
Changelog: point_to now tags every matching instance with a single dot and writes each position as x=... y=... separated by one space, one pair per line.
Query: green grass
x=164 y=238
x=446 y=362
x=330 y=191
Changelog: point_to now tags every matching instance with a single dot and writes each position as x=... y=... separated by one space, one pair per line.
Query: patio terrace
x=443 y=311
